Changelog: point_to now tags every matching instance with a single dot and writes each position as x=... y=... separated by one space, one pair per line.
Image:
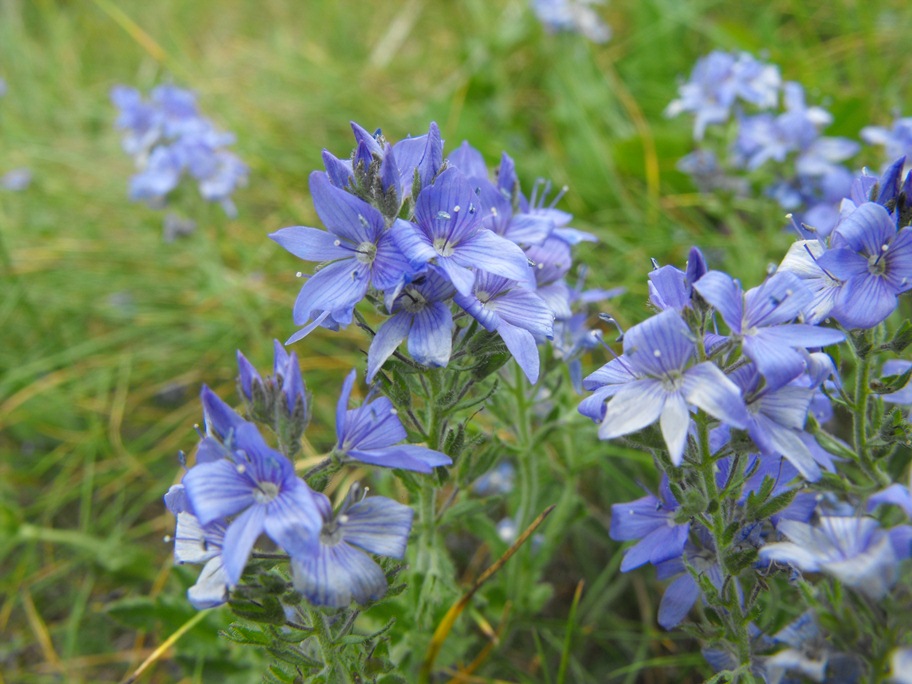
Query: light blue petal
x=378 y=525
x=388 y=338
x=216 y=490
x=336 y=575
x=522 y=346
x=675 y=423
x=239 y=540
x=635 y=406
x=708 y=388
x=677 y=601
x=310 y=244
x=430 y=341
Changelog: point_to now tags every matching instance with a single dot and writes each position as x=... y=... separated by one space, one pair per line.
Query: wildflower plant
x=783 y=509
x=457 y=280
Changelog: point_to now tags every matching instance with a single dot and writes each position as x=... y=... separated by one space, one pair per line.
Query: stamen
x=607 y=318
x=814 y=259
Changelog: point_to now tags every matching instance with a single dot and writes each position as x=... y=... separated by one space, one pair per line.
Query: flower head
x=654 y=380
x=339 y=569
x=371 y=434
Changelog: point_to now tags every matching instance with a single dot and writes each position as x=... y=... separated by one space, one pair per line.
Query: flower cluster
x=572 y=16
x=241 y=488
x=168 y=137
x=739 y=385
x=896 y=140
x=736 y=91
x=430 y=239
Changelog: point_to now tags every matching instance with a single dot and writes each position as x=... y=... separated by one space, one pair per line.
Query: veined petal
x=345 y=215
x=898 y=267
x=448 y=210
x=342 y=404
x=217 y=490
x=373 y=425
x=390 y=266
x=864 y=302
x=615 y=372
x=490 y=252
x=339 y=285
x=724 y=294
x=389 y=336
x=660 y=545
x=414 y=244
x=677 y=601
x=785 y=442
x=240 y=537
x=675 y=423
x=635 y=406
x=708 y=388
x=524 y=309
x=293 y=521
x=378 y=525
x=776 y=362
x=461 y=277
x=529 y=229
x=522 y=346
x=660 y=346
x=310 y=244
x=336 y=575
x=778 y=300
x=865 y=230
x=430 y=341
x=211 y=588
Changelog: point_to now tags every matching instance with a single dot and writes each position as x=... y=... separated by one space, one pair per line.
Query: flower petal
x=388 y=338
x=240 y=537
x=635 y=406
x=336 y=575
x=310 y=244
x=378 y=525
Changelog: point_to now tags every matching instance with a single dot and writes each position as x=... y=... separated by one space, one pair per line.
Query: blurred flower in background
x=572 y=16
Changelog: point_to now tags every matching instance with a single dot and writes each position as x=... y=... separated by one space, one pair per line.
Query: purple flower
x=855 y=551
x=760 y=321
x=572 y=16
x=717 y=81
x=663 y=384
x=259 y=488
x=338 y=570
x=776 y=418
x=904 y=395
x=516 y=314
x=421 y=314
x=652 y=521
x=449 y=236
x=683 y=591
x=360 y=248
x=896 y=140
x=672 y=288
x=16 y=180
x=873 y=260
x=371 y=434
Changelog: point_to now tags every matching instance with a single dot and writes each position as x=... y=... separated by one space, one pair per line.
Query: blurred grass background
x=107 y=332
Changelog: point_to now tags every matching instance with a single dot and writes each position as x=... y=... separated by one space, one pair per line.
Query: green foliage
x=108 y=332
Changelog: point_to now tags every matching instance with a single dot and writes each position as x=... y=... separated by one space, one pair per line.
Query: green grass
x=106 y=332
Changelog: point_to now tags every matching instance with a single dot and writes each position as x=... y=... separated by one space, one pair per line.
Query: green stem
x=860 y=421
x=732 y=609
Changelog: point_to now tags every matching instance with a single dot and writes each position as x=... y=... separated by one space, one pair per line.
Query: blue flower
x=16 y=180
x=338 y=570
x=360 y=248
x=901 y=666
x=776 y=418
x=896 y=140
x=654 y=380
x=672 y=288
x=421 y=314
x=573 y=16
x=717 y=81
x=760 y=321
x=855 y=551
x=651 y=520
x=874 y=262
x=448 y=235
x=257 y=486
x=518 y=315
x=683 y=591
x=371 y=434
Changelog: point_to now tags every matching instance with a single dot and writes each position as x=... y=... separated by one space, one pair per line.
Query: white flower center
x=265 y=492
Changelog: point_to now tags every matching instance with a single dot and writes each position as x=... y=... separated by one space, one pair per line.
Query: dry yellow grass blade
x=446 y=624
